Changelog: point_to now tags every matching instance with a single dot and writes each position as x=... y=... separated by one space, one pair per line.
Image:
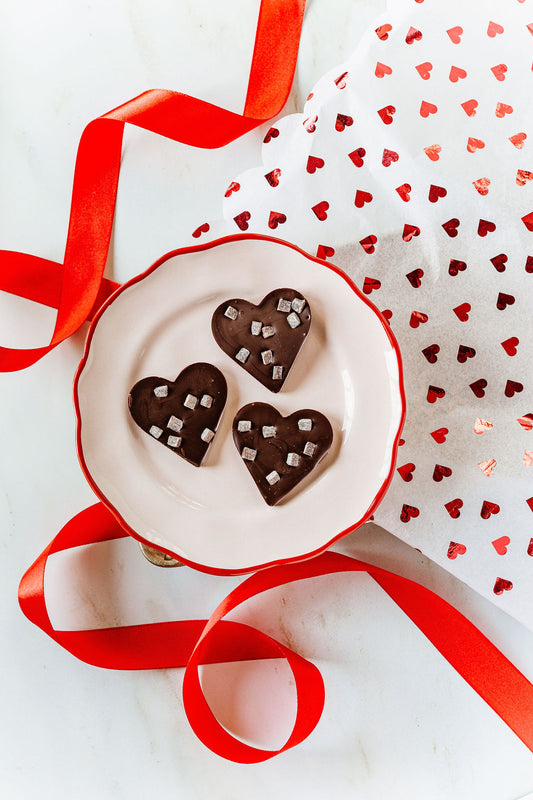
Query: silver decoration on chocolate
x=161 y=391
x=277 y=373
x=255 y=328
x=268 y=331
x=190 y=401
x=155 y=431
x=244 y=425
x=174 y=441
x=207 y=435
x=231 y=313
x=305 y=424
x=267 y=357
x=175 y=424
x=294 y=320
x=293 y=459
x=242 y=355
x=309 y=449
x=272 y=477
x=248 y=453
x=206 y=401
x=284 y=306
x=298 y=304
x=268 y=431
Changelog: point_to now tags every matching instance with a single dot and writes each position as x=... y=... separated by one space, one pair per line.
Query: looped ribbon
x=77 y=287
x=191 y=643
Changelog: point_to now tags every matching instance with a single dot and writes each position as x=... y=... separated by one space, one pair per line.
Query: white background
x=398 y=722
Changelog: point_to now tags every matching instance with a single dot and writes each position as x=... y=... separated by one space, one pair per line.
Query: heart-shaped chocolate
x=280 y=451
x=264 y=339
x=182 y=414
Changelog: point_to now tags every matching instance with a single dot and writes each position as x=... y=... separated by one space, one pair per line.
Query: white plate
x=213 y=517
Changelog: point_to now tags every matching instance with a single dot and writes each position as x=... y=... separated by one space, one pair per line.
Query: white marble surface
x=398 y=722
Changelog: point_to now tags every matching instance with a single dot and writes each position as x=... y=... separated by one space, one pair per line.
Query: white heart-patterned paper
x=411 y=168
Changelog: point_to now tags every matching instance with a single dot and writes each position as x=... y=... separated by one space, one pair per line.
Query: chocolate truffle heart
x=264 y=339
x=280 y=451
x=182 y=414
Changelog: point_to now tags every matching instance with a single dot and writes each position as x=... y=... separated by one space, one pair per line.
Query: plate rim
x=210 y=569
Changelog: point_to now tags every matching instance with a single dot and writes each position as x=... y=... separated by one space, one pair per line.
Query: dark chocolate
x=179 y=413
x=284 y=448
x=264 y=339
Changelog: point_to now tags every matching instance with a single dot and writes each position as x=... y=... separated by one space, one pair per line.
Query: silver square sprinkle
x=231 y=313
x=248 y=453
x=268 y=431
x=298 y=304
x=255 y=328
x=305 y=424
x=277 y=373
x=244 y=425
x=293 y=459
x=190 y=401
x=155 y=431
x=284 y=306
x=309 y=449
x=267 y=356
x=294 y=320
x=161 y=391
x=268 y=331
x=242 y=355
x=174 y=441
x=206 y=401
x=207 y=435
x=272 y=477
x=175 y=424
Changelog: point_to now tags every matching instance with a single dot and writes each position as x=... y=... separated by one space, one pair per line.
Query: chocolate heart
x=182 y=414
x=264 y=339
x=280 y=451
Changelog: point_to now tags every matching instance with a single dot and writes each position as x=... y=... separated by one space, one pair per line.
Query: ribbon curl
x=190 y=643
x=76 y=288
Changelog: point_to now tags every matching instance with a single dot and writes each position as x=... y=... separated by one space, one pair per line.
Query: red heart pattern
x=357 y=156
x=455 y=549
x=440 y=435
x=468 y=318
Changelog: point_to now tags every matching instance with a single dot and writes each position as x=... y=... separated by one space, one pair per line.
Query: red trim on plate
x=206 y=246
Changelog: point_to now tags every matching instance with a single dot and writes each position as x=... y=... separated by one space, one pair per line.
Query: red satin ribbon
x=76 y=288
x=191 y=643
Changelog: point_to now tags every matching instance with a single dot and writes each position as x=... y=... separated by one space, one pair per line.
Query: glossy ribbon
x=76 y=287
x=190 y=643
